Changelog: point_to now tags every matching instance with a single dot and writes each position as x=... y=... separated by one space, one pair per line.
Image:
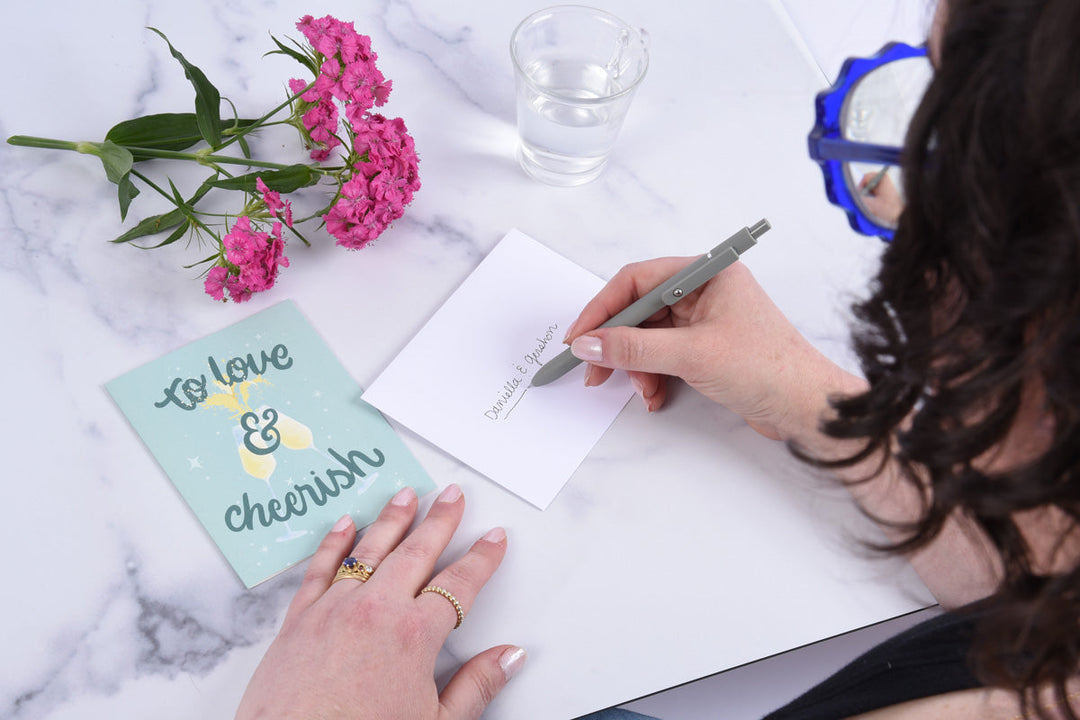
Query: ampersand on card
x=269 y=434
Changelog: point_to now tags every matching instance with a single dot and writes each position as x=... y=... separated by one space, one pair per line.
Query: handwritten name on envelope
x=463 y=381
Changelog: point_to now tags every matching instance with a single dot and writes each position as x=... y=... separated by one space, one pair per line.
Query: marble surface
x=684 y=545
x=833 y=30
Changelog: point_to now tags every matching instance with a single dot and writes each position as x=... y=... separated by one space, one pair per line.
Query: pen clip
x=707 y=266
x=705 y=272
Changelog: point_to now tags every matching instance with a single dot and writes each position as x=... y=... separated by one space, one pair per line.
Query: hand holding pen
x=674 y=289
x=727 y=339
x=881 y=197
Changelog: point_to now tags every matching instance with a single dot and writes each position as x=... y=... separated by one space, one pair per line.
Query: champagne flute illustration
x=295 y=435
x=261 y=467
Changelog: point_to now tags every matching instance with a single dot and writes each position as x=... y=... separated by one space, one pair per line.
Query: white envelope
x=463 y=381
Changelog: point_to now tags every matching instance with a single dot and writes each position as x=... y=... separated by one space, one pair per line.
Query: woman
x=963 y=440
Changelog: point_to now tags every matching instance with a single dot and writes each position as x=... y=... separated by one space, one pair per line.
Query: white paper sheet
x=463 y=381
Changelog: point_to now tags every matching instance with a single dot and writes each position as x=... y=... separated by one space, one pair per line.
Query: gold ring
x=354 y=570
x=449 y=596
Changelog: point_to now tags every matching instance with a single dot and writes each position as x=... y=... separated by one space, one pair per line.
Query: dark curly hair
x=975 y=312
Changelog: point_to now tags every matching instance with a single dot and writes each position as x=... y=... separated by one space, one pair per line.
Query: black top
x=925 y=660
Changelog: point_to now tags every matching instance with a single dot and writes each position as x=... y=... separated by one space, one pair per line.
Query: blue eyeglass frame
x=829 y=148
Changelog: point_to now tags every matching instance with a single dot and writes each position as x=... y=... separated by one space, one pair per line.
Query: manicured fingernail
x=404 y=496
x=590 y=370
x=450 y=494
x=341 y=525
x=511 y=660
x=639 y=388
x=495 y=535
x=569 y=332
x=587 y=348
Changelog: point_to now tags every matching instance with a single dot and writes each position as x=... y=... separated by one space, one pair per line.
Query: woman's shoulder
x=974 y=704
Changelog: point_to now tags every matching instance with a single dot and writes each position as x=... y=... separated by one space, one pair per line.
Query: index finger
x=629 y=284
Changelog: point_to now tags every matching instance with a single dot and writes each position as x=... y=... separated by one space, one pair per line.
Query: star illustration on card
x=195 y=464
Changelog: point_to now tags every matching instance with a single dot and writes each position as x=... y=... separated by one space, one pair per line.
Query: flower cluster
x=381 y=168
x=277 y=207
x=251 y=265
x=371 y=182
x=249 y=258
x=381 y=187
x=382 y=164
x=346 y=73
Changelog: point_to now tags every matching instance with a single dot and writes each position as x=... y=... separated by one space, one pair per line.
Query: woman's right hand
x=882 y=200
x=727 y=340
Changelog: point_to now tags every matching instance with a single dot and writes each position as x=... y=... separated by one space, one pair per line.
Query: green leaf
x=163 y=131
x=299 y=57
x=176 y=235
x=153 y=225
x=125 y=192
x=207 y=97
x=201 y=262
x=244 y=147
x=203 y=189
x=286 y=180
x=160 y=223
x=117 y=160
x=176 y=196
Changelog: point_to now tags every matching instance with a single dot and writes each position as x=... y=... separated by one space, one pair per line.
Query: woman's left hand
x=355 y=649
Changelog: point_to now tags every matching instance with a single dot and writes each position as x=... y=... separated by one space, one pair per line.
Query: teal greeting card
x=264 y=434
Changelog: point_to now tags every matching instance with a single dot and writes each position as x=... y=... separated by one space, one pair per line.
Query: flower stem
x=40 y=142
x=206 y=158
x=191 y=217
x=201 y=157
x=260 y=122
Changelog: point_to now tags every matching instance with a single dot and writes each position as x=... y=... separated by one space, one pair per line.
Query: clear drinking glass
x=576 y=70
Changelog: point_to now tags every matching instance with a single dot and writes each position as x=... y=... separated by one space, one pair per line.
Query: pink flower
x=347 y=73
x=357 y=48
x=382 y=92
x=321 y=122
x=380 y=187
x=314 y=30
x=274 y=204
x=215 y=282
x=296 y=87
x=251 y=263
x=390 y=151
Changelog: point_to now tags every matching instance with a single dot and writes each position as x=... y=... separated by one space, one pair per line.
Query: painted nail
x=588 y=348
x=639 y=388
x=404 y=496
x=511 y=660
x=495 y=535
x=569 y=332
x=342 y=524
x=450 y=494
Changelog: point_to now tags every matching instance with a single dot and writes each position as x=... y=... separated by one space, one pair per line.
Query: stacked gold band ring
x=449 y=596
x=354 y=570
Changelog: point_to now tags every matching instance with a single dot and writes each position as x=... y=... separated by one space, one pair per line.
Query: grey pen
x=875 y=181
x=669 y=292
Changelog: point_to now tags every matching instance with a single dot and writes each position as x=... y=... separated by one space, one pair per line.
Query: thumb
x=662 y=351
x=478 y=681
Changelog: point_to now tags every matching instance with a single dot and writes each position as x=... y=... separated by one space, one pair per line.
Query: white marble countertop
x=117 y=603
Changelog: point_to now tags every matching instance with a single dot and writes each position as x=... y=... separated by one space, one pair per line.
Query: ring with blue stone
x=354 y=570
